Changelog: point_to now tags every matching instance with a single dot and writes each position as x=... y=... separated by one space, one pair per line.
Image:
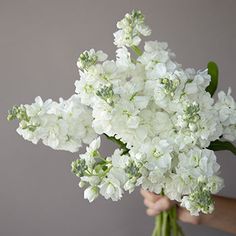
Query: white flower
x=199 y=83
x=199 y=200
x=62 y=126
x=229 y=133
x=196 y=163
x=91 y=180
x=160 y=114
x=92 y=152
x=90 y=58
x=158 y=60
x=119 y=160
x=226 y=108
x=123 y=60
x=130 y=185
x=110 y=188
x=189 y=205
x=91 y=193
x=151 y=186
x=131 y=27
x=215 y=184
x=176 y=186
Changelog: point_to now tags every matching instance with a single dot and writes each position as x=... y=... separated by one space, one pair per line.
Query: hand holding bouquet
x=162 y=117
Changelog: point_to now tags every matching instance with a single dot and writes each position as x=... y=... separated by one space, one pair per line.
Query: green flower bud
x=86 y=60
x=106 y=93
x=132 y=170
x=170 y=86
x=191 y=113
x=79 y=167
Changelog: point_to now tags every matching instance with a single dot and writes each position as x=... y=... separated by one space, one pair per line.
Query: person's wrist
x=206 y=219
x=185 y=216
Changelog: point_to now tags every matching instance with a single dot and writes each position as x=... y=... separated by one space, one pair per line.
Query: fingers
x=148 y=204
x=152 y=197
x=151 y=212
x=155 y=203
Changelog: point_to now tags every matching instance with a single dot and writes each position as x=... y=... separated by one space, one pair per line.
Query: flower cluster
x=131 y=28
x=160 y=115
x=62 y=126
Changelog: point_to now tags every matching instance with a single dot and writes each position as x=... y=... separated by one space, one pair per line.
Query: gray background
x=40 y=41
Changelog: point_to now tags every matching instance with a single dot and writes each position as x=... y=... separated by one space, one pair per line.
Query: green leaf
x=213 y=71
x=222 y=145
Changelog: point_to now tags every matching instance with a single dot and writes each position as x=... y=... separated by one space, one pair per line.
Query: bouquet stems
x=166 y=224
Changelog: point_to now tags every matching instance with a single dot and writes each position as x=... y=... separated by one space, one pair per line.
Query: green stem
x=164 y=223
x=160 y=224
x=173 y=219
x=137 y=50
x=154 y=232
x=168 y=225
x=157 y=228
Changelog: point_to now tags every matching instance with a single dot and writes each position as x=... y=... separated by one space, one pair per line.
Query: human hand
x=157 y=203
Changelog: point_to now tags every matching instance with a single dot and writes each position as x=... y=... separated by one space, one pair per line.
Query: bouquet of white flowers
x=162 y=117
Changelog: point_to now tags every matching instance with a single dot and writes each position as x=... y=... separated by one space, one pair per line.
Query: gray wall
x=40 y=41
